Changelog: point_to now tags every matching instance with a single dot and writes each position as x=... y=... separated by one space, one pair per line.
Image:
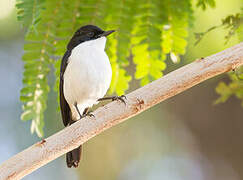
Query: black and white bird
x=84 y=78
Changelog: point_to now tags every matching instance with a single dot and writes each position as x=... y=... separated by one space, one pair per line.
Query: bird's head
x=87 y=33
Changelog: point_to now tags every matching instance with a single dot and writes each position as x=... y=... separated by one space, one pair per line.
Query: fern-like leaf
x=38 y=53
x=119 y=45
x=29 y=12
x=146 y=43
x=175 y=31
x=159 y=33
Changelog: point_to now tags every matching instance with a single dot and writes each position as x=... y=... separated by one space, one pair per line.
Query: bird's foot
x=88 y=113
x=121 y=98
x=114 y=98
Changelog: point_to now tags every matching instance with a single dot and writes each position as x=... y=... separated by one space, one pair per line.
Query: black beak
x=106 y=33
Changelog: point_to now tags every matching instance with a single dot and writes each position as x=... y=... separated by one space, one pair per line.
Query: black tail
x=73 y=157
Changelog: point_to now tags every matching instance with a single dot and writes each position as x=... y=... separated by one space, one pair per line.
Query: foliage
x=38 y=58
x=29 y=12
x=148 y=32
x=235 y=87
x=234 y=24
x=158 y=33
x=204 y=3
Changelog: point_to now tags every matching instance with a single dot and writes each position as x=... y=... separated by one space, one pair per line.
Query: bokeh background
x=185 y=137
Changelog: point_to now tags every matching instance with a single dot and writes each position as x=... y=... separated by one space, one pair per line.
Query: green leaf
x=235 y=87
x=171 y=25
x=204 y=3
x=38 y=51
x=27 y=115
x=224 y=92
x=120 y=80
x=29 y=12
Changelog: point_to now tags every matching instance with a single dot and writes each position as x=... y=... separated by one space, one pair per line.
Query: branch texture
x=116 y=112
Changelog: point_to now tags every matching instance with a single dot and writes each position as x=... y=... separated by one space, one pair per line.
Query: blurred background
x=185 y=137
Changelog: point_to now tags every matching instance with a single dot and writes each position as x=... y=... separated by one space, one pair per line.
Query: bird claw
x=89 y=113
x=121 y=98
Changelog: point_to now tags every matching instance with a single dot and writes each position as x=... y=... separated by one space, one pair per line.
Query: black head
x=87 y=33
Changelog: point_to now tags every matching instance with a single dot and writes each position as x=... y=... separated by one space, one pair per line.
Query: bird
x=85 y=77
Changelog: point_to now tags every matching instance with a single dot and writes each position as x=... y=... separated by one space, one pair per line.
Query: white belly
x=87 y=76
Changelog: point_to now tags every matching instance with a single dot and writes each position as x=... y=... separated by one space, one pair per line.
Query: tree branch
x=114 y=113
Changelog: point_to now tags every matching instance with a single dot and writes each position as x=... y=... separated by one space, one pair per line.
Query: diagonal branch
x=114 y=113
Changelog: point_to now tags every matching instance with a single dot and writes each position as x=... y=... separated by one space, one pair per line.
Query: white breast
x=87 y=76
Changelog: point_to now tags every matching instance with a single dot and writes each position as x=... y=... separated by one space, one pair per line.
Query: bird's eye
x=78 y=33
x=90 y=34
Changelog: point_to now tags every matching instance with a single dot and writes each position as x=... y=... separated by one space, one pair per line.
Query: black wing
x=65 y=109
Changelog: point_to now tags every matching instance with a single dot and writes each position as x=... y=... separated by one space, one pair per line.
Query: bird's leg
x=114 y=98
x=87 y=113
x=76 y=106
